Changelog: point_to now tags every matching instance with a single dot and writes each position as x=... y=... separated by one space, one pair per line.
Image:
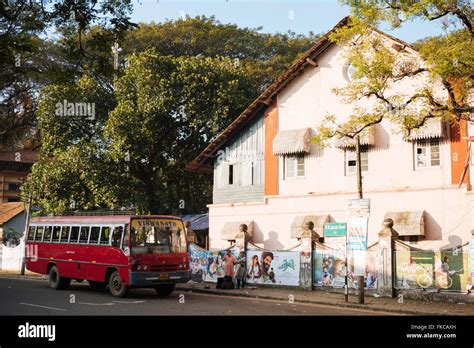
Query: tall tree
x=165 y=106
x=268 y=54
x=28 y=61
x=447 y=60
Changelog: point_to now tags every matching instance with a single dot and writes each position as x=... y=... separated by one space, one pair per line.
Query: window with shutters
x=351 y=160
x=294 y=166
x=427 y=153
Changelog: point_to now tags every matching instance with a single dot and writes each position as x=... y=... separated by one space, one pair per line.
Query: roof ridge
x=266 y=96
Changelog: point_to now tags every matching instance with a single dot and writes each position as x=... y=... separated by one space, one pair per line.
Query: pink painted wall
x=392 y=183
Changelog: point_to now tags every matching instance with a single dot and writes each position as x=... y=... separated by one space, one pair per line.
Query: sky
x=300 y=16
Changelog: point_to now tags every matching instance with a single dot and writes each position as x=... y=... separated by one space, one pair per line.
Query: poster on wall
x=371 y=275
x=273 y=267
x=357 y=232
x=414 y=269
x=206 y=265
x=471 y=258
x=444 y=270
x=329 y=269
x=452 y=269
x=357 y=242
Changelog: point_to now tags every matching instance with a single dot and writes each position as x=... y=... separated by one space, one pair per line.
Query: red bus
x=121 y=252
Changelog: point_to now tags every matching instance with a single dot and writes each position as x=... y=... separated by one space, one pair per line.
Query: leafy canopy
x=447 y=64
x=178 y=85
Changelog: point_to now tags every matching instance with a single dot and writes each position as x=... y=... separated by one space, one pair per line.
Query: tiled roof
x=9 y=210
x=201 y=162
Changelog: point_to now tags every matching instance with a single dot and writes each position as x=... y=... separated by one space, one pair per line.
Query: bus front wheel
x=56 y=281
x=116 y=285
x=165 y=289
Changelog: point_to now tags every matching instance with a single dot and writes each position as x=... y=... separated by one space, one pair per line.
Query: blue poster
x=206 y=265
x=357 y=228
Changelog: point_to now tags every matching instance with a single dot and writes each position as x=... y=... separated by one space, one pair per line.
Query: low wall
x=11 y=257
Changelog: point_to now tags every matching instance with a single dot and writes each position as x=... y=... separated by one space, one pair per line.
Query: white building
x=267 y=173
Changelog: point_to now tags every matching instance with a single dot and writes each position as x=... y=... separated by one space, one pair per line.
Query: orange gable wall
x=459 y=146
x=271 y=161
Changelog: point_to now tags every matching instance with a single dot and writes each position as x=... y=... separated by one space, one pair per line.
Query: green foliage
x=28 y=62
x=167 y=108
x=185 y=81
x=447 y=60
x=266 y=55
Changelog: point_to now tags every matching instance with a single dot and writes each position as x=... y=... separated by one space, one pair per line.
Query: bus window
x=117 y=236
x=126 y=239
x=74 y=234
x=65 y=234
x=84 y=234
x=56 y=233
x=39 y=234
x=105 y=235
x=31 y=233
x=47 y=234
x=158 y=240
x=94 y=238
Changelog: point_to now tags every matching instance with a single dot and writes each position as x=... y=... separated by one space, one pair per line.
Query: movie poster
x=443 y=270
x=273 y=267
x=329 y=269
x=206 y=265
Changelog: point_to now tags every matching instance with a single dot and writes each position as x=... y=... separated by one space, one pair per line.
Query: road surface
x=34 y=297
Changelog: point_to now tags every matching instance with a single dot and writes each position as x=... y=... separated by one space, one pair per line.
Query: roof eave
x=265 y=98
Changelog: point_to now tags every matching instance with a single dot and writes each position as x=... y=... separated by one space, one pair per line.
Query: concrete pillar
x=242 y=237
x=385 y=259
x=308 y=236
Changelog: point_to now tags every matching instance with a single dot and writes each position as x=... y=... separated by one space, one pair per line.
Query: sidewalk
x=383 y=304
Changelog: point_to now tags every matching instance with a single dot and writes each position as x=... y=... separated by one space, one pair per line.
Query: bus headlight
x=145 y=267
x=139 y=268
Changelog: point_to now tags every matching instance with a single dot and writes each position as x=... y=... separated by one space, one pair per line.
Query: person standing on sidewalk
x=230 y=262
x=240 y=274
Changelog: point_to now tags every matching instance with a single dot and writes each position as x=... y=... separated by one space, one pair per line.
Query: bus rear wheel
x=116 y=285
x=57 y=282
x=165 y=289
x=97 y=285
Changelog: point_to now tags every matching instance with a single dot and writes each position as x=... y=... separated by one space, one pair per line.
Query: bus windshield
x=157 y=236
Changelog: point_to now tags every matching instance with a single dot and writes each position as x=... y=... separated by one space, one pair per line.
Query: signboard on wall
x=273 y=267
x=357 y=232
x=359 y=207
x=357 y=241
x=335 y=229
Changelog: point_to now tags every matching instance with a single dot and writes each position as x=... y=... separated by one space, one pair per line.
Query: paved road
x=34 y=297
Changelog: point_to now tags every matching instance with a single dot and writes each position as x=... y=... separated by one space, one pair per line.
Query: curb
x=267 y=297
x=18 y=276
x=341 y=305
